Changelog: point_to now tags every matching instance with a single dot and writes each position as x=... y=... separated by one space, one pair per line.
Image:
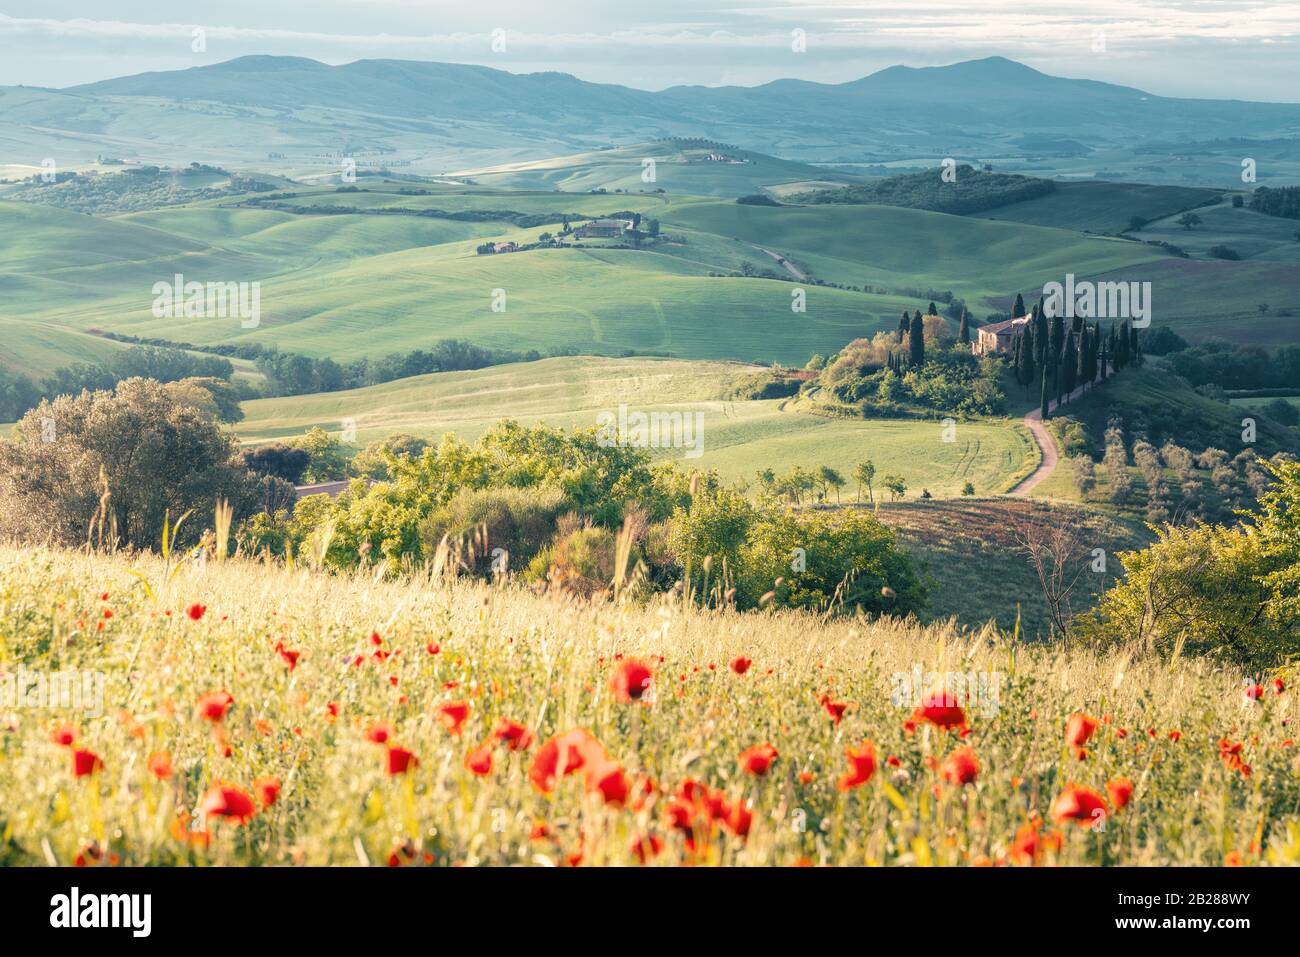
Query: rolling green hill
x=392 y=266
x=1097 y=206
x=908 y=248
x=740 y=437
x=1251 y=235
x=679 y=166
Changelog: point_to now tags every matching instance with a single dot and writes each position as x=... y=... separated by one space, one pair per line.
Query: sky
x=1221 y=49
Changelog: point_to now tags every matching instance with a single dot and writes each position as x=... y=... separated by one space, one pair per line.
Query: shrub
x=278 y=460
x=126 y=458
x=328 y=461
x=581 y=560
x=519 y=520
x=1280 y=410
x=826 y=558
x=1227 y=592
x=372 y=461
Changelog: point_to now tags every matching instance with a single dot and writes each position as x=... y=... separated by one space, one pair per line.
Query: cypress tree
x=1041 y=339
x=1056 y=343
x=1018 y=309
x=916 y=341
x=964 y=332
x=933 y=310
x=1042 y=400
x=904 y=325
x=1081 y=376
x=1069 y=364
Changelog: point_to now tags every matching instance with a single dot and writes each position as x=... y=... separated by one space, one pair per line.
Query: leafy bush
x=116 y=463
x=972 y=191
x=519 y=520
x=1229 y=592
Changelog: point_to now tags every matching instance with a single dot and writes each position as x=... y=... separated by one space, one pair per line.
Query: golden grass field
x=318 y=665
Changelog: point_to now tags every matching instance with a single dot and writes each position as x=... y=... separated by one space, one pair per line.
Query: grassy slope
x=970 y=549
x=739 y=437
x=1141 y=391
x=677 y=170
x=1100 y=207
x=907 y=248
x=1252 y=235
x=547 y=662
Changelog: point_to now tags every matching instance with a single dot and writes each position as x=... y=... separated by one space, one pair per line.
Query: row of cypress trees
x=1060 y=360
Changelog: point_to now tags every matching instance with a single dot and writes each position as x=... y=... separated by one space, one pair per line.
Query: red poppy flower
x=1079 y=728
x=608 y=779
x=514 y=734
x=562 y=755
x=960 y=767
x=1254 y=692
x=1029 y=845
x=940 y=715
x=1278 y=685
x=1120 y=791
x=267 y=790
x=160 y=765
x=196 y=611
x=738 y=818
x=1081 y=805
x=740 y=665
x=1230 y=755
x=85 y=762
x=64 y=735
x=290 y=657
x=400 y=760
x=479 y=761
x=757 y=759
x=646 y=846
x=214 y=705
x=228 y=801
x=453 y=715
x=862 y=766
x=630 y=680
x=379 y=732
x=835 y=709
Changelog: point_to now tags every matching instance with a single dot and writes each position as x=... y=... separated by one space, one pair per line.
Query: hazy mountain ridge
x=434 y=116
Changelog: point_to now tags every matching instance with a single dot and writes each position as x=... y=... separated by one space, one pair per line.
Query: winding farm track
x=1046 y=444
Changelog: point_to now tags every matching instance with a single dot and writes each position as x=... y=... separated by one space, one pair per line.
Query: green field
x=1252 y=235
x=740 y=437
x=351 y=284
x=1097 y=206
x=677 y=169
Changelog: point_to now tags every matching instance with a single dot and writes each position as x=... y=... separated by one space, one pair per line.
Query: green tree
x=963 y=333
x=850 y=562
x=830 y=478
x=117 y=463
x=916 y=341
x=329 y=461
x=1228 y=592
x=1189 y=220
x=865 y=473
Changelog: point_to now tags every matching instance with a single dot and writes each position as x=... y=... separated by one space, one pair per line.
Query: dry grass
x=546 y=661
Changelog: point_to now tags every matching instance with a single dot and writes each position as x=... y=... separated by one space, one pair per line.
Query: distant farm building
x=505 y=248
x=997 y=337
x=603 y=229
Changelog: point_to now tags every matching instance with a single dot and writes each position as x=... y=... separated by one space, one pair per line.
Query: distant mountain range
x=292 y=113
